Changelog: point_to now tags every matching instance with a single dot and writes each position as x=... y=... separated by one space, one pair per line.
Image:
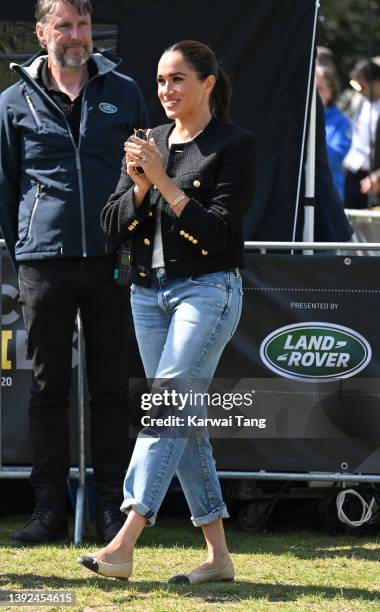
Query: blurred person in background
x=350 y=99
x=338 y=127
x=325 y=58
x=331 y=223
x=363 y=159
x=371 y=183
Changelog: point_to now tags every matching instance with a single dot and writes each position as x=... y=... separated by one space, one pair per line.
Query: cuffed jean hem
x=213 y=516
x=148 y=514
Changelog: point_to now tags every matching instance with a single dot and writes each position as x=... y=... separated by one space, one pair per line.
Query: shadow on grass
x=304 y=549
x=302 y=545
x=212 y=593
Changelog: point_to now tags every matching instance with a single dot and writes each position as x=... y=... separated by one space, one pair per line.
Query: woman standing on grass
x=183 y=215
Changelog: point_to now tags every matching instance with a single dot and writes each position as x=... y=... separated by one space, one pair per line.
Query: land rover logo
x=108 y=108
x=315 y=351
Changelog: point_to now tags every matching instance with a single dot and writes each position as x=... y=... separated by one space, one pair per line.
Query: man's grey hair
x=44 y=7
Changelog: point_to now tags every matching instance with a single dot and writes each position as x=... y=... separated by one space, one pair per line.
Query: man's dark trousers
x=51 y=291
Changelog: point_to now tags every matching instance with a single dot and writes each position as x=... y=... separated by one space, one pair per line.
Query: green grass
x=297 y=571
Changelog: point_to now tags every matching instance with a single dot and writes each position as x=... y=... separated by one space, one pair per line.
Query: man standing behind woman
x=184 y=218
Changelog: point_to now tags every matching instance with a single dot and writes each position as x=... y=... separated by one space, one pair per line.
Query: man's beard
x=66 y=61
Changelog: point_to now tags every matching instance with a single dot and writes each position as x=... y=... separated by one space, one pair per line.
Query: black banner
x=303 y=366
x=309 y=345
x=265 y=45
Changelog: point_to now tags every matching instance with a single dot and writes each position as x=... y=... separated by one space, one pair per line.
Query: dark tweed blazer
x=217 y=171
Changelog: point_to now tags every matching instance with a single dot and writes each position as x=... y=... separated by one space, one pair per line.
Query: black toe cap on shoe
x=180 y=579
x=89 y=562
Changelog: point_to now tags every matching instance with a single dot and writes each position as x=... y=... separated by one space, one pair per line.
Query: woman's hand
x=370 y=184
x=146 y=155
x=141 y=180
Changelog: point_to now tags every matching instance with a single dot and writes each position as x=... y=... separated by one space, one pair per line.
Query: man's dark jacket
x=51 y=190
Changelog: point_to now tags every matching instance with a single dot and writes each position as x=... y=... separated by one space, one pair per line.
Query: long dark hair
x=203 y=60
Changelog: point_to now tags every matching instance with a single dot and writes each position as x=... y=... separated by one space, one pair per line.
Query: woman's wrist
x=164 y=185
x=178 y=208
x=139 y=194
x=174 y=196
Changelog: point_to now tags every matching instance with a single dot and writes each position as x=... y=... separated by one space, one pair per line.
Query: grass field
x=297 y=571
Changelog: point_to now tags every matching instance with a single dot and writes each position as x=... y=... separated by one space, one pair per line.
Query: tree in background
x=350 y=28
x=15 y=37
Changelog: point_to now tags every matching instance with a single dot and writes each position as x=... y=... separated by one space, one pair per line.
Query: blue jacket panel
x=338 y=140
x=52 y=190
x=331 y=223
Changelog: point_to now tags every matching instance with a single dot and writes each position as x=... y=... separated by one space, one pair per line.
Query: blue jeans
x=182 y=326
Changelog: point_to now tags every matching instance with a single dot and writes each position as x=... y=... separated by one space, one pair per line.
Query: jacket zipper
x=81 y=200
x=80 y=175
x=34 y=209
x=76 y=148
x=79 y=168
x=33 y=110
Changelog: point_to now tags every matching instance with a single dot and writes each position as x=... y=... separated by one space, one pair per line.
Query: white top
x=158 y=253
x=363 y=136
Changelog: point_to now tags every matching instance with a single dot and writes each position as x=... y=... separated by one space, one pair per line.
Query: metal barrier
x=79 y=473
x=366 y=226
